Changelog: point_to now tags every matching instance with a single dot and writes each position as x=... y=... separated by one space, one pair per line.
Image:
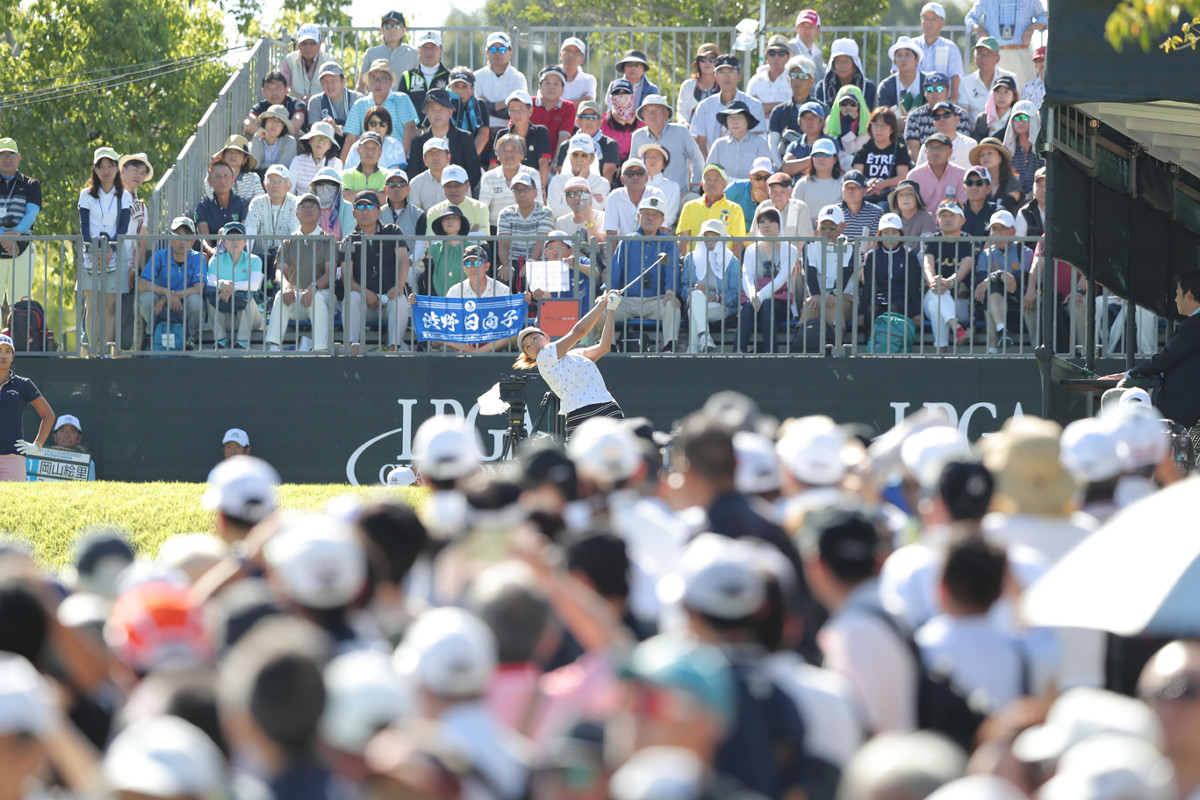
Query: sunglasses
x=778 y=53
x=822 y=155
x=827 y=226
x=759 y=177
x=576 y=193
x=588 y=117
x=634 y=173
x=975 y=182
x=473 y=263
x=849 y=101
x=497 y=48
x=1021 y=118
x=1180 y=687
x=364 y=206
x=799 y=76
x=396 y=184
x=943 y=115
x=391 y=26
x=705 y=60
x=275 y=181
x=935 y=89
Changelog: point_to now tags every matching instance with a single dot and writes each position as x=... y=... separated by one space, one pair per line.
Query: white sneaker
x=707 y=345
x=306 y=344
x=274 y=348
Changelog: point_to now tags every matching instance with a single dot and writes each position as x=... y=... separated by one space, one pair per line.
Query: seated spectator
x=475 y=265
x=830 y=271
x=407 y=216
x=68 y=435
x=301 y=68
x=316 y=151
x=621 y=120
x=906 y=201
x=767 y=272
x=236 y=153
x=1002 y=277
x=582 y=273
x=381 y=78
x=470 y=113
x=702 y=83
x=739 y=149
x=526 y=221
x=978 y=206
x=797 y=160
x=302 y=277
x=904 y=89
x=845 y=69
x=550 y=109
x=457 y=189
x=861 y=217
x=580 y=86
x=706 y=128
x=796 y=221
x=581 y=214
x=377 y=270
x=1031 y=219
x=439 y=111
x=807 y=42
x=222 y=206
x=770 y=84
x=1035 y=90
x=891 y=275
x=1020 y=140
x=426 y=187
x=581 y=155
x=884 y=159
x=821 y=182
x=996 y=158
x=684 y=159
x=494 y=186
x=945 y=122
x=538 y=151
x=235 y=442
x=938 y=178
x=498 y=79
x=272 y=214
x=941 y=54
x=379 y=122
x=713 y=204
x=333 y=104
x=948 y=263
x=275 y=93
x=368 y=173
x=427 y=75
x=847 y=124
x=400 y=56
x=919 y=124
x=337 y=215
x=710 y=275
x=993 y=120
x=751 y=192
x=173 y=282
x=587 y=120
x=783 y=126
x=657 y=159
x=234 y=276
x=444 y=256
x=654 y=296
x=976 y=88
x=621 y=211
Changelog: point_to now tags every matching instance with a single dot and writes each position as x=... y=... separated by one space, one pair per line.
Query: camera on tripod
x=512 y=393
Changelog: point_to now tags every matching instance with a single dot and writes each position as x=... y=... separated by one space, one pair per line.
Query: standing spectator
x=621 y=120
x=380 y=80
x=821 y=183
x=495 y=82
x=704 y=125
x=378 y=272
x=1020 y=140
x=808 y=40
x=317 y=151
x=654 y=297
x=976 y=88
x=223 y=206
x=275 y=93
x=526 y=221
x=906 y=201
x=632 y=67
x=275 y=142
x=549 y=108
x=18 y=211
x=236 y=153
x=767 y=270
x=860 y=216
x=580 y=86
x=945 y=122
x=587 y=120
x=234 y=276
x=1006 y=186
x=1002 y=278
x=702 y=83
x=884 y=159
x=427 y=74
x=621 y=210
x=919 y=123
x=938 y=177
x=847 y=124
x=173 y=281
x=470 y=113
x=941 y=54
x=333 y=104
x=657 y=159
x=783 y=127
x=379 y=122
x=993 y=120
x=135 y=171
x=845 y=69
x=770 y=85
x=739 y=149
x=401 y=57
x=368 y=172
x=104 y=213
x=1031 y=219
x=1012 y=23
x=710 y=277
x=684 y=159
x=302 y=67
x=949 y=264
x=812 y=128
x=713 y=204
x=68 y=435
x=538 y=150
x=272 y=214
x=1035 y=90
x=16 y=393
x=977 y=206
x=494 y=186
x=904 y=89
x=891 y=275
x=751 y=192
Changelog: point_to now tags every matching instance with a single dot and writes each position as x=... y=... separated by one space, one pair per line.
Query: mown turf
x=49 y=516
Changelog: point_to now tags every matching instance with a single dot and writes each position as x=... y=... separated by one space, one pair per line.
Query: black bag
x=236 y=303
x=27 y=327
x=812 y=337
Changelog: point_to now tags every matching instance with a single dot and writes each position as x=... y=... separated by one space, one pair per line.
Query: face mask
x=326 y=194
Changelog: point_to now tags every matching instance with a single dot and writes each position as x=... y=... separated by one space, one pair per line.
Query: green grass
x=49 y=516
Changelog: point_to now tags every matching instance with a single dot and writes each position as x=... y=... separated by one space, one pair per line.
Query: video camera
x=512 y=393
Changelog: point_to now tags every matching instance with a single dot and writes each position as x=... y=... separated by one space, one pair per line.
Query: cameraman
x=20 y=202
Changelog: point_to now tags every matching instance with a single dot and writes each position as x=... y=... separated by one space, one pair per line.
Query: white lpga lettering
x=961 y=421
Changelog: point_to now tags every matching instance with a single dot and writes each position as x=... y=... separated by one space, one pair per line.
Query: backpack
x=812 y=337
x=892 y=333
x=27 y=326
x=167 y=336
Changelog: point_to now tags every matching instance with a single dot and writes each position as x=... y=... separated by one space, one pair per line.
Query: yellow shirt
x=696 y=213
x=476 y=212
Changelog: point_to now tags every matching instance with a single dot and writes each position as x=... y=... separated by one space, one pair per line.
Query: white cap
x=815 y=451
x=192 y=553
x=429 y=37
x=1088 y=449
x=757 y=466
x=401 y=476
x=26 y=704
x=1002 y=217
x=498 y=37
x=5 y=339
x=435 y=143
x=713 y=225
x=363 y=696
x=1133 y=396
x=659 y=773
x=454 y=174
x=236 y=435
x=605 y=451
x=1111 y=767
x=281 y=171
x=843 y=47
x=577 y=182
x=1082 y=712
x=449 y=652
x=718 y=577
x=446 y=447
x=242 y=487
x=926 y=453
x=936 y=8
x=164 y=756
x=581 y=143
x=573 y=41
x=831 y=212
x=1142 y=438
x=316 y=561
x=308 y=31
x=68 y=419
x=653 y=202
x=978 y=787
x=762 y=164
x=891 y=220
x=519 y=94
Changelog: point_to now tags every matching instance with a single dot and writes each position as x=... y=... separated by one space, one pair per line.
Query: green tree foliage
x=1154 y=23
x=671 y=13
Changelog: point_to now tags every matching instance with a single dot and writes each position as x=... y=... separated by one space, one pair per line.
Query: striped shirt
x=539 y=223
x=396 y=103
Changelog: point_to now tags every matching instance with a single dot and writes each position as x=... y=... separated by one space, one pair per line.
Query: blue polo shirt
x=633 y=256
x=15 y=394
x=164 y=270
x=208 y=210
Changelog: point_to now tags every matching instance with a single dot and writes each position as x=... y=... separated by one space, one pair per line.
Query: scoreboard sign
x=59 y=465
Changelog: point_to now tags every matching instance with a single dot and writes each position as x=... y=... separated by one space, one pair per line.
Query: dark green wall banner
x=350 y=419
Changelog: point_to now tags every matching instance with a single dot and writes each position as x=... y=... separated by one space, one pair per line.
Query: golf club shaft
x=658 y=261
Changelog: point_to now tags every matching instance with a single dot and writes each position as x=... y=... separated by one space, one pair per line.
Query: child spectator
x=316 y=151
x=275 y=93
x=443 y=259
x=275 y=142
x=104 y=213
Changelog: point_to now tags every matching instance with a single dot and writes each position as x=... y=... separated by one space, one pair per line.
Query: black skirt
x=582 y=415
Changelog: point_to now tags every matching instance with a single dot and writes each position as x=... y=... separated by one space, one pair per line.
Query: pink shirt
x=933 y=189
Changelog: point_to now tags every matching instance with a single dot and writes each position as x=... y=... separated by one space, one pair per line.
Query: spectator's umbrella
x=1137 y=574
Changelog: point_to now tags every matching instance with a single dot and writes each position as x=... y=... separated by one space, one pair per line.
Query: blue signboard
x=468 y=321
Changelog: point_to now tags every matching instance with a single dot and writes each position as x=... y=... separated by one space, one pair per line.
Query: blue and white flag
x=468 y=321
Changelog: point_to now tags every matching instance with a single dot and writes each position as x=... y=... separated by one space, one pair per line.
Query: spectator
x=580 y=155
x=705 y=127
x=751 y=192
x=821 y=183
x=236 y=153
x=368 y=173
x=104 y=214
x=475 y=266
x=808 y=40
x=135 y=171
x=1031 y=219
x=845 y=69
x=701 y=85
x=559 y=247
x=657 y=159
x=632 y=67
x=993 y=120
x=525 y=221
x=830 y=269
x=1034 y=90
x=710 y=273
x=275 y=93
x=407 y=216
x=496 y=82
x=471 y=113
x=884 y=159
x=587 y=120
x=173 y=281
x=1164 y=684
x=301 y=68
x=428 y=74
x=847 y=124
x=798 y=159
x=494 y=186
x=233 y=277
x=580 y=86
x=549 y=108
x=861 y=217
x=317 y=151
x=272 y=215
x=976 y=88
x=444 y=257
x=457 y=189
x=581 y=215
x=426 y=187
x=378 y=271
x=401 y=57
x=992 y=154
x=939 y=178
x=941 y=55
x=1013 y=27
x=945 y=122
x=904 y=89
x=906 y=201
x=909 y=766
x=380 y=79
x=767 y=271
x=621 y=120
x=621 y=210
x=978 y=207
x=439 y=110
x=654 y=296
x=1020 y=140
x=684 y=159
x=538 y=150
x=337 y=215
x=770 y=85
x=277 y=144
x=22 y=203
x=1002 y=277
x=68 y=435
x=919 y=123
x=713 y=204
x=949 y=264
x=796 y=221
x=302 y=279
x=783 y=126
x=224 y=205
x=738 y=150
x=891 y=275
x=332 y=105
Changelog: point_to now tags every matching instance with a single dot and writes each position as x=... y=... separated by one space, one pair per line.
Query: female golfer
x=573 y=375
x=16 y=393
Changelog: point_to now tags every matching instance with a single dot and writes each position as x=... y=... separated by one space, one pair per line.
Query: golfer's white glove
x=613 y=301
x=27 y=448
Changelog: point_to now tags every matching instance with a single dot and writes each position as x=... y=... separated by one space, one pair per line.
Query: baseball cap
x=236 y=435
x=988 y=43
x=234 y=228
x=474 y=251
x=653 y=202
x=577 y=182
x=943 y=106
x=814 y=449
x=659 y=773
x=498 y=37
x=1082 y=712
x=854 y=176
x=105 y=152
x=620 y=85
x=367 y=196
x=633 y=162
x=604 y=451
x=308 y=32
x=281 y=171
x=1143 y=440
x=9 y=145
x=521 y=95
x=435 y=143
x=926 y=452
x=316 y=561
x=1005 y=80
x=833 y=213
x=5 y=339
x=553 y=69
x=395 y=16
x=717 y=576
x=101 y=554
x=588 y=105
x=756 y=465
x=370 y=136
x=454 y=174
x=581 y=143
x=326 y=174
x=26 y=703
x=429 y=37
x=363 y=696
x=980 y=171
x=448 y=652
x=713 y=168
x=891 y=220
x=331 y=68
x=687 y=666
x=440 y=96
x=155 y=625
x=777 y=41
x=824 y=147
x=401 y=476
x=762 y=164
x=936 y=8
x=446 y=447
x=779 y=177
x=242 y=487
x=966 y=487
x=731 y=61
x=1002 y=217
x=937 y=79
x=1089 y=450
x=164 y=756
x=68 y=419
x=461 y=74
x=1135 y=396
x=573 y=41
x=183 y=222
x=1111 y=766
x=940 y=138
x=714 y=226
x=522 y=179
x=397 y=172
x=952 y=207
x=809 y=15
x=191 y=553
